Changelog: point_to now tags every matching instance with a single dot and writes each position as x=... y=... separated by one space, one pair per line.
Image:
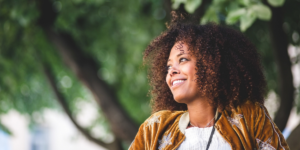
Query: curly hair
x=228 y=66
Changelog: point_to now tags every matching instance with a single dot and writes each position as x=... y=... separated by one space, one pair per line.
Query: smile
x=177 y=82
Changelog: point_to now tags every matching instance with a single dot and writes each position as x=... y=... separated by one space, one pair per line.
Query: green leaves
x=247 y=20
x=176 y=3
x=254 y=11
x=244 y=2
x=243 y=11
x=210 y=15
x=261 y=11
x=189 y=5
x=235 y=15
x=276 y=3
x=248 y=15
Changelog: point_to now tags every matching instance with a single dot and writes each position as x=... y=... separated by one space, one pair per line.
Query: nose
x=174 y=70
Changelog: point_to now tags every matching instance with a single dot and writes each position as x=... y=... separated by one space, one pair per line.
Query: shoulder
x=154 y=127
x=251 y=112
x=168 y=113
x=253 y=119
x=251 y=108
x=248 y=109
x=164 y=116
x=161 y=119
x=265 y=131
x=249 y=105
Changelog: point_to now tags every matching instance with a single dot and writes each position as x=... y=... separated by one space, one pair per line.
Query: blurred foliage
x=189 y=5
x=115 y=34
x=245 y=12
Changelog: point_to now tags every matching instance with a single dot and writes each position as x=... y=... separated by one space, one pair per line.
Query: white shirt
x=197 y=139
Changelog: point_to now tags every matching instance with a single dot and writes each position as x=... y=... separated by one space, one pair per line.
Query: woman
x=207 y=88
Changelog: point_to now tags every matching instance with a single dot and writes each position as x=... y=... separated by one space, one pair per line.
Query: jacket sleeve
x=145 y=135
x=267 y=135
x=139 y=142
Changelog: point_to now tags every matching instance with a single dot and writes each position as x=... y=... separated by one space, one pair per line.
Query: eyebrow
x=177 y=56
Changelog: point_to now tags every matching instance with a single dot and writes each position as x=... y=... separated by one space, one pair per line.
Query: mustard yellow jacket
x=249 y=127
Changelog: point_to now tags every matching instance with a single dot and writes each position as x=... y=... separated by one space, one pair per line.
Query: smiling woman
x=207 y=92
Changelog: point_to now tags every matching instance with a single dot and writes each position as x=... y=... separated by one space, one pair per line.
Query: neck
x=201 y=112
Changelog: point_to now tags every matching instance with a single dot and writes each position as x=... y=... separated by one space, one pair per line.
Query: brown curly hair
x=228 y=66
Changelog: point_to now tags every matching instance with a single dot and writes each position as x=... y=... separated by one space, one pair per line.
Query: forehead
x=178 y=48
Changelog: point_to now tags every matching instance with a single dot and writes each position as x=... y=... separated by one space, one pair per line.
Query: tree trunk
x=285 y=78
x=293 y=139
x=115 y=145
x=85 y=68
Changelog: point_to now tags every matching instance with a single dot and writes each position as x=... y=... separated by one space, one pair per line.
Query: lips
x=177 y=82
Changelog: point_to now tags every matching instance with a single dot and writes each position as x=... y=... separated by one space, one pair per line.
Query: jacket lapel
x=228 y=133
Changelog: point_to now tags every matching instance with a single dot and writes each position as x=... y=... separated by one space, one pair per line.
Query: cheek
x=190 y=71
x=167 y=80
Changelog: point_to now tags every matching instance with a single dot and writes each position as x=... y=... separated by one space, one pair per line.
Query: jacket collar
x=185 y=120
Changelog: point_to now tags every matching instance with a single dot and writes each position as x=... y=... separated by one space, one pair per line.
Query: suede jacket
x=248 y=127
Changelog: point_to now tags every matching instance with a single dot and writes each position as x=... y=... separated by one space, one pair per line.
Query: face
x=181 y=77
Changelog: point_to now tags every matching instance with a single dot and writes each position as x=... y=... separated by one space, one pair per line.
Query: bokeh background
x=72 y=74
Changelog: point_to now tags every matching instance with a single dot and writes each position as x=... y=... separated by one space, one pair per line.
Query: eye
x=168 y=67
x=183 y=59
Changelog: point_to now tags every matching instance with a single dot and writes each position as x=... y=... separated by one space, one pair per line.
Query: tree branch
x=285 y=79
x=85 y=68
x=62 y=101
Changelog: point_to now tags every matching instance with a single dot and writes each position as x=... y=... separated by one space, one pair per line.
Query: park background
x=72 y=74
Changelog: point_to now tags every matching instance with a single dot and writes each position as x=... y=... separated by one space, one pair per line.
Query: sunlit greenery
x=115 y=34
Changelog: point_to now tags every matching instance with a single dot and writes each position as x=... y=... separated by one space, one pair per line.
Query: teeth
x=177 y=81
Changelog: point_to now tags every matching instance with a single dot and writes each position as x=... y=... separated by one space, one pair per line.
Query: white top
x=197 y=139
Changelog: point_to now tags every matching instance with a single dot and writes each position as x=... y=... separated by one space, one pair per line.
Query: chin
x=179 y=99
